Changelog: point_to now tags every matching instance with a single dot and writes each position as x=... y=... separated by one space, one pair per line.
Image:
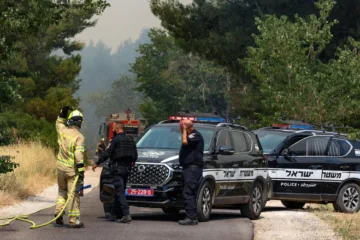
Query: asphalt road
x=149 y=224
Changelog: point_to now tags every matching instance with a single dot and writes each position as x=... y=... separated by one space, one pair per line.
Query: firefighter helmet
x=75 y=118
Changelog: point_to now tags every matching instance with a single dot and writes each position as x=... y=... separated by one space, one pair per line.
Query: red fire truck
x=133 y=127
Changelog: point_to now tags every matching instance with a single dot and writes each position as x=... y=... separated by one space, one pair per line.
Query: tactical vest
x=125 y=150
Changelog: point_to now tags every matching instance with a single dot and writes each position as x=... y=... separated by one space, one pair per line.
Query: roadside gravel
x=280 y=223
x=47 y=198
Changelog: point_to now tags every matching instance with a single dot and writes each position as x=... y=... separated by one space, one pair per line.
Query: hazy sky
x=123 y=20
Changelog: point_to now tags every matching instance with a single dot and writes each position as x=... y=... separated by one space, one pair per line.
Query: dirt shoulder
x=279 y=223
x=346 y=225
x=47 y=197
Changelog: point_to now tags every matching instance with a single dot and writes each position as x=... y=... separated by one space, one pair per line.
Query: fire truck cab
x=133 y=127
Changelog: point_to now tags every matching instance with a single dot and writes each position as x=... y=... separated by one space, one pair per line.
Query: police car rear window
x=339 y=147
x=312 y=146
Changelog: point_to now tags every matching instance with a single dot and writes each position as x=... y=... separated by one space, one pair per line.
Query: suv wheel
x=173 y=211
x=253 y=208
x=204 y=202
x=348 y=199
x=292 y=204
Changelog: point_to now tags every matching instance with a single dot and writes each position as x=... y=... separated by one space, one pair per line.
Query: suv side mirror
x=226 y=150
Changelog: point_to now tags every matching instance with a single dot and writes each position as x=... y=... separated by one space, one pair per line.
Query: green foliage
x=217 y=30
x=49 y=106
x=32 y=31
x=173 y=80
x=6 y=165
x=153 y=111
x=294 y=81
x=16 y=126
x=221 y=30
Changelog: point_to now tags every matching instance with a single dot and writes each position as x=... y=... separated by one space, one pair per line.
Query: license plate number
x=139 y=192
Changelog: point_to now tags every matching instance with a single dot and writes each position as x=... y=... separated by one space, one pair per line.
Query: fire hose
x=24 y=218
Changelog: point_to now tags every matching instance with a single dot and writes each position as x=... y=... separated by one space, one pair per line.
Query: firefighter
x=70 y=163
x=123 y=154
x=100 y=148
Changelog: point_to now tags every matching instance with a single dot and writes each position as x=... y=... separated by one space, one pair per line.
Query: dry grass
x=37 y=171
x=346 y=225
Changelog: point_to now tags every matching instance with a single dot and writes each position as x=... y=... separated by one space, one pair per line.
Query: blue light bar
x=301 y=127
x=217 y=120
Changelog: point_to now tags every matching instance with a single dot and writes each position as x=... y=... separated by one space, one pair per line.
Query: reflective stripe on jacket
x=71 y=144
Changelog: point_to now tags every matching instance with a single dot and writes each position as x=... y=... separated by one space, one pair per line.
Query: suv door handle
x=345 y=167
x=316 y=167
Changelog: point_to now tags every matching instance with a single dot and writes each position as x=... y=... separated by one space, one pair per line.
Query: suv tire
x=336 y=209
x=204 y=202
x=348 y=199
x=293 y=204
x=173 y=211
x=253 y=208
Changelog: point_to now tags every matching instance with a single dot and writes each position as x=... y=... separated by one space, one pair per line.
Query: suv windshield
x=271 y=139
x=169 y=137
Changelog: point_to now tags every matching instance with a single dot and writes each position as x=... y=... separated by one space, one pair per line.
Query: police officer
x=123 y=154
x=70 y=163
x=100 y=148
x=191 y=159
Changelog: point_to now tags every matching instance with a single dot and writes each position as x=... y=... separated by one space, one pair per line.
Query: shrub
x=16 y=127
x=6 y=165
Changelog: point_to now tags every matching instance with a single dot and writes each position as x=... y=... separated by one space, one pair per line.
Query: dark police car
x=235 y=174
x=306 y=165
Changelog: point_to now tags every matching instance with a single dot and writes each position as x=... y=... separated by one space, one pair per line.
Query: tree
x=172 y=80
x=221 y=30
x=295 y=82
x=32 y=31
x=17 y=21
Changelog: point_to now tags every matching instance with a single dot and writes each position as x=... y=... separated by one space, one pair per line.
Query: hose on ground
x=24 y=218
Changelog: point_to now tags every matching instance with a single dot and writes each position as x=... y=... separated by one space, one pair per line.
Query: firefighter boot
x=59 y=221
x=75 y=223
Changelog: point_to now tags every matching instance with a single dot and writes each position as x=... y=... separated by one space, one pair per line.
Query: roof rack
x=321 y=131
x=231 y=125
x=165 y=121
x=304 y=131
x=194 y=122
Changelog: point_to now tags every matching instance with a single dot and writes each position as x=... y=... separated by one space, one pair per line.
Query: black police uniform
x=191 y=159
x=123 y=153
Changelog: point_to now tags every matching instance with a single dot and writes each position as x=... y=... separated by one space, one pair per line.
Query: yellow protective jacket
x=71 y=145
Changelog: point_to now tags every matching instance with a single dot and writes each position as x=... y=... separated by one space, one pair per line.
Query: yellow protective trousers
x=66 y=178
